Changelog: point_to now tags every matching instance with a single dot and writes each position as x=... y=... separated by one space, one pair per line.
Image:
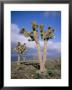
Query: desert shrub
x=38 y=76
x=51 y=73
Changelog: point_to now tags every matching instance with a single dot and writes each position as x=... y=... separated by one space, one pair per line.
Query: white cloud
x=15 y=37
x=14 y=28
x=54 y=46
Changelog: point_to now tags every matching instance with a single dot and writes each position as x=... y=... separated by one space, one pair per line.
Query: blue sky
x=49 y=18
x=20 y=19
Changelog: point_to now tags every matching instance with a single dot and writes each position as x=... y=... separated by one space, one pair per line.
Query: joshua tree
x=49 y=34
x=34 y=27
x=20 y=49
x=34 y=37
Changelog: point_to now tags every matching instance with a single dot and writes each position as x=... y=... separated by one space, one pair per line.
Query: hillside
x=29 y=71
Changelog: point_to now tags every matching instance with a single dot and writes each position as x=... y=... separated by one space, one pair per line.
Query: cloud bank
x=15 y=37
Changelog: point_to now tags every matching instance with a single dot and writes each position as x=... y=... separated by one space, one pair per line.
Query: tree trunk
x=40 y=57
x=18 y=63
x=44 y=55
x=39 y=51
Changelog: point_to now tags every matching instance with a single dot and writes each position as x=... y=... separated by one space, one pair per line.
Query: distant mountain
x=31 y=53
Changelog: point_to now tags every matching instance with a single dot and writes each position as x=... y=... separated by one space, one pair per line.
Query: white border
x=64 y=8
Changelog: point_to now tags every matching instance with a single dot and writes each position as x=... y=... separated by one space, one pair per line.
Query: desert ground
x=28 y=70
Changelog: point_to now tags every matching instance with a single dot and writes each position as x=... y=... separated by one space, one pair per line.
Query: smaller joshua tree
x=20 y=49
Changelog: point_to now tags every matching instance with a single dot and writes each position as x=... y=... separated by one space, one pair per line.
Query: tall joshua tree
x=34 y=27
x=34 y=37
x=49 y=34
x=20 y=49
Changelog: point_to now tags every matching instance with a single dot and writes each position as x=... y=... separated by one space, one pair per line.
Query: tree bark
x=44 y=55
x=18 y=62
x=39 y=51
x=40 y=57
